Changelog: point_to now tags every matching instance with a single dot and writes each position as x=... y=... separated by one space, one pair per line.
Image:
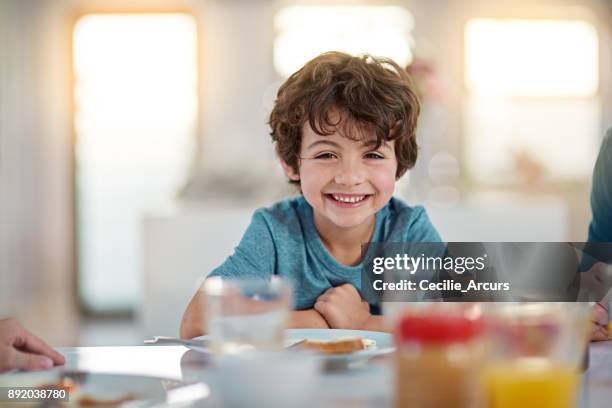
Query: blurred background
x=134 y=144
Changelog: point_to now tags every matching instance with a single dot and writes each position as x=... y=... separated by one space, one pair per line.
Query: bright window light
x=558 y=135
x=540 y=58
x=135 y=119
x=303 y=32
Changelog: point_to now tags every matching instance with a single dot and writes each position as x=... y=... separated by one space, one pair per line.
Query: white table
x=367 y=386
x=597 y=380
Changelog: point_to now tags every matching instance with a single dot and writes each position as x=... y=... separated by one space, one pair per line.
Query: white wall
x=35 y=170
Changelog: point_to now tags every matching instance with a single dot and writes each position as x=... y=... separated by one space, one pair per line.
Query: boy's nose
x=349 y=173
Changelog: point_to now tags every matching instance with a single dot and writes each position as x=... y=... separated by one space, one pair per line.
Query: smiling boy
x=344 y=129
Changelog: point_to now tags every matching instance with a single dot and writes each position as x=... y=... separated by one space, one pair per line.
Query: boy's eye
x=374 y=155
x=326 y=156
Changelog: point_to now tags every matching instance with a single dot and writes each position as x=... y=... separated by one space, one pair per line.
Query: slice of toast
x=341 y=345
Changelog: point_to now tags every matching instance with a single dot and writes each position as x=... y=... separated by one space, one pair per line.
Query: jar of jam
x=439 y=361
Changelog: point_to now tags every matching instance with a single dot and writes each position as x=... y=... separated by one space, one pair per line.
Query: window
x=303 y=32
x=532 y=95
x=541 y=58
x=135 y=95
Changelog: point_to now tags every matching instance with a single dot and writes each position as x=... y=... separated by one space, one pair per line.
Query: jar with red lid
x=439 y=361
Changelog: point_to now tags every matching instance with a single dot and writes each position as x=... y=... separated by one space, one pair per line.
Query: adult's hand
x=20 y=349
x=595 y=283
x=601 y=320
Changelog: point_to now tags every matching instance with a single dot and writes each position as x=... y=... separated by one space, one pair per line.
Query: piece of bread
x=341 y=345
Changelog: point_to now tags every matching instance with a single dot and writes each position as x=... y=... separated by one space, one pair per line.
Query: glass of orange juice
x=538 y=348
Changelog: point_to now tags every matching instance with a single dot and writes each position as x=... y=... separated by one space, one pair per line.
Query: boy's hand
x=343 y=308
x=601 y=319
x=20 y=349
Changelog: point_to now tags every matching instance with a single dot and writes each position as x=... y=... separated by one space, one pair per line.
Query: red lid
x=438 y=329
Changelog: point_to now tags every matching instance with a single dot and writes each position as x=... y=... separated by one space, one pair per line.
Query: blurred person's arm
x=594 y=287
x=600 y=231
x=595 y=284
x=600 y=320
x=21 y=350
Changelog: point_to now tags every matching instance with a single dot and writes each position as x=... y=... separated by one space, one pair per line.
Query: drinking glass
x=246 y=314
x=538 y=351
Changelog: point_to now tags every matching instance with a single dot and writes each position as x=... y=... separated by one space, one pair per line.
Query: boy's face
x=345 y=181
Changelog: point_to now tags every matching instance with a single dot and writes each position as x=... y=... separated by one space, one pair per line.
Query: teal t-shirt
x=282 y=240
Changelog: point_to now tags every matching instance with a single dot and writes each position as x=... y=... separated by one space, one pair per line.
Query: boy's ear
x=291 y=174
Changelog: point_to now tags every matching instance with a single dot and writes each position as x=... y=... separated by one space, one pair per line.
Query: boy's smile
x=346 y=181
x=348 y=200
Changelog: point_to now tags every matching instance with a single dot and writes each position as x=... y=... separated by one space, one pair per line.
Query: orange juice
x=532 y=383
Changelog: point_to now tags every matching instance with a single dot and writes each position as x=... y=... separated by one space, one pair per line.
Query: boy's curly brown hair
x=372 y=94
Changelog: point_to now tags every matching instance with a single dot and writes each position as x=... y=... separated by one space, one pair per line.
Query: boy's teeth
x=352 y=199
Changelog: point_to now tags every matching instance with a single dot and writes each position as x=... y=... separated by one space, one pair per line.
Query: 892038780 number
x=33 y=394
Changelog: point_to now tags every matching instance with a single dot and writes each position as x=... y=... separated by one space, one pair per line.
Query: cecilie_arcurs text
x=445 y=285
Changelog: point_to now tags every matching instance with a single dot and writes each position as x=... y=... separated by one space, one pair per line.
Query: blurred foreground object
x=537 y=354
x=439 y=360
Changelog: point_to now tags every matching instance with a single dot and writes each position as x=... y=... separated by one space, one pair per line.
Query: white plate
x=384 y=342
x=105 y=387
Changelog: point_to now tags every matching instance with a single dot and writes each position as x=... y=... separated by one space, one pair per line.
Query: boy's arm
x=310 y=318
x=376 y=323
x=343 y=308
x=192 y=323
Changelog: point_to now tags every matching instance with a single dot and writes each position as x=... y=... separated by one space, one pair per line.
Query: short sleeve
x=420 y=228
x=600 y=229
x=255 y=255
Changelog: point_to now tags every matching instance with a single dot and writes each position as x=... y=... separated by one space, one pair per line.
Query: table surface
x=364 y=386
